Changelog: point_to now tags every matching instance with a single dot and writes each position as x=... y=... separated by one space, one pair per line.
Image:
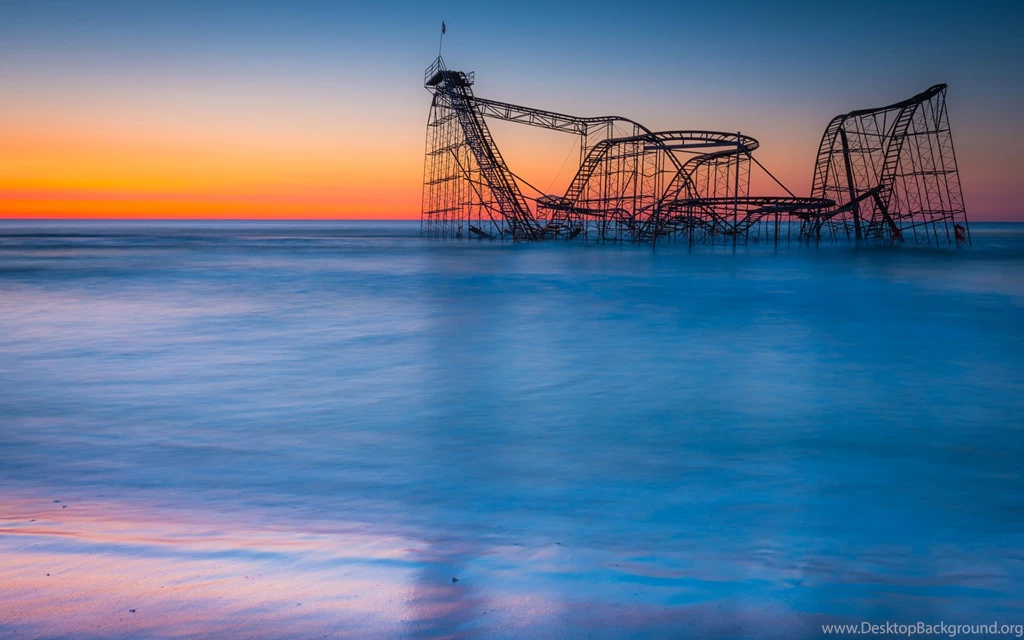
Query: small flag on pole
x=442 y=27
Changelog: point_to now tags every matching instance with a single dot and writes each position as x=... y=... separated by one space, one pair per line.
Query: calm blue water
x=306 y=430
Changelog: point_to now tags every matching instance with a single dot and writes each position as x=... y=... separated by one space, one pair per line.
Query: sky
x=305 y=109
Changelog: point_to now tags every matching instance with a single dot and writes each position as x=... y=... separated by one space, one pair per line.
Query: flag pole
x=441 y=42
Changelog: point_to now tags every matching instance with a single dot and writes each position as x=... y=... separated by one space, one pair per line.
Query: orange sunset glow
x=174 y=115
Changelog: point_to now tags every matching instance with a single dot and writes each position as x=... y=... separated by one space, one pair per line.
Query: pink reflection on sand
x=80 y=570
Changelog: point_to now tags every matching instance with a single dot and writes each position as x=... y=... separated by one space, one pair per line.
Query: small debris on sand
x=131 y=610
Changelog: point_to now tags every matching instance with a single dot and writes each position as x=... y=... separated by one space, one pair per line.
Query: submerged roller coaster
x=886 y=174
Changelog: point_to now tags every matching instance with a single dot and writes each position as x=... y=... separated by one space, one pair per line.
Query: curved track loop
x=892 y=172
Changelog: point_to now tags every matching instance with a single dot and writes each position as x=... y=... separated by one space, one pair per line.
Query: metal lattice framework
x=638 y=185
x=892 y=172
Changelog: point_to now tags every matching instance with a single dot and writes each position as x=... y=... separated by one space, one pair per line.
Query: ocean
x=318 y=429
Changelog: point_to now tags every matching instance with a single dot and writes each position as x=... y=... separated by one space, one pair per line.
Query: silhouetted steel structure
x=892 y=172
x=872 y=178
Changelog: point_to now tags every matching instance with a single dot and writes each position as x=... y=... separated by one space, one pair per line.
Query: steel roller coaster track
x=886 y=174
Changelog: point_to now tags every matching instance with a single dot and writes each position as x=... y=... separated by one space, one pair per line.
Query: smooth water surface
x=270 y=430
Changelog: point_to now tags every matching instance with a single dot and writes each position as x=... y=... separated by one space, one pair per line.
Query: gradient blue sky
x=316 y=109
